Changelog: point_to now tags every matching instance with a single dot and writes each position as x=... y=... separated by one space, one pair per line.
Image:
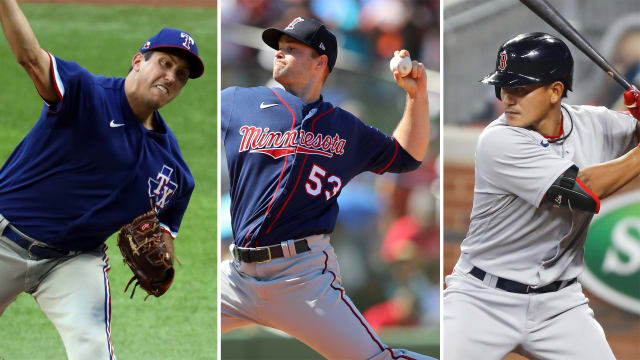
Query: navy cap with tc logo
x=308 y=31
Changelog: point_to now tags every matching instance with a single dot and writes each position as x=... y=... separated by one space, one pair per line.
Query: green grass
x=182 y=323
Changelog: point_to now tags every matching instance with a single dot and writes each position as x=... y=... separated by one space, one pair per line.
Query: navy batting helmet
x=532 y=58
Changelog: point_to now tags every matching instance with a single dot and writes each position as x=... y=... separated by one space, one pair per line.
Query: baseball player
x=289 y=155
x=99 y=151
x=541 y=170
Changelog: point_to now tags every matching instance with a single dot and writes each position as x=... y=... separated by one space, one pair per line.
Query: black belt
x=516 y=287
x=36 y=249
x=267 y=253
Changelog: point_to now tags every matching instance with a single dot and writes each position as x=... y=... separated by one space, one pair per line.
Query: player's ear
x=136 y=62
x=557 y=89
x=323 y=61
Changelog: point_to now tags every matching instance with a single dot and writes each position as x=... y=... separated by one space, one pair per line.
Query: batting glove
x=632 y=101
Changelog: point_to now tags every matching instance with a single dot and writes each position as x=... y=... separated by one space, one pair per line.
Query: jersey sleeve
x=382 y=153
x=71 y=82
x=227 y=97
x=509 y=161
x=619 y=133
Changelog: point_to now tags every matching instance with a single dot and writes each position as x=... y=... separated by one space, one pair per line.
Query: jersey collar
x=562 y=136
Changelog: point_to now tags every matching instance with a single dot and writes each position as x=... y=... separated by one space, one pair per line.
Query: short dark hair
x=176 y=52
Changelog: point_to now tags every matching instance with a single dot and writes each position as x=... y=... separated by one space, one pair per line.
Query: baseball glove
x=146 y=253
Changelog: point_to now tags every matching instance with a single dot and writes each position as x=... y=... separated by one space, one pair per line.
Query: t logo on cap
x=179 y=40
x=188 y=41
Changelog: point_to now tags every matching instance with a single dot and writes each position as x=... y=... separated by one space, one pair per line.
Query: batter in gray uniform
x=541 y=169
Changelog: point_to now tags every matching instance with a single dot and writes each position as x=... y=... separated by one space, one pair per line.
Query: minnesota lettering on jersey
x=161 y=188
x=277 y=144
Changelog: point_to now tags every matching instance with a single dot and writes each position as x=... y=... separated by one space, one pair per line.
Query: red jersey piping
x=293 y=123
x=395 y=153
x=363 y=322
x=594 y=196
x=55 y=84
x=299 y=175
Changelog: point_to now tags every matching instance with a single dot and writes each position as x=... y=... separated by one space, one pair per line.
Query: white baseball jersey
x=513 y=234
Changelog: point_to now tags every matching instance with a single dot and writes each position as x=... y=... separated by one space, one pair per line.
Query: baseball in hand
x=402 y=64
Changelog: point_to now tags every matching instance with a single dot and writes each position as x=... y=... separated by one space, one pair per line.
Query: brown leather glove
x=147 y=254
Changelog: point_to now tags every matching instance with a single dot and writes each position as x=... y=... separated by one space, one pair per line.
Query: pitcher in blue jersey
x=289 y=155
x=99 y=151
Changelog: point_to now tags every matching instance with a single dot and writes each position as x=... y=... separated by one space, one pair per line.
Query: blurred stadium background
x=387 y=237
x=473 y=31
x=103 y=39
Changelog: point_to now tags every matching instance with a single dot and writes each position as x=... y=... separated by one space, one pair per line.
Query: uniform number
x=314 y=184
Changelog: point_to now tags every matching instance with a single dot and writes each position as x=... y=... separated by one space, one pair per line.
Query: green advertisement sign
x=612 y=252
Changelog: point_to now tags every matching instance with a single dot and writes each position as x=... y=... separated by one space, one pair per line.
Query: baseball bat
x=552 y=17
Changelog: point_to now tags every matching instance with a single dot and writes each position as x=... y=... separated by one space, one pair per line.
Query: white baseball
x=402 y=64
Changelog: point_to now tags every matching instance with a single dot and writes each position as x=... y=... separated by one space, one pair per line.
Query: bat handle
x=622 y=81
x=635 y=92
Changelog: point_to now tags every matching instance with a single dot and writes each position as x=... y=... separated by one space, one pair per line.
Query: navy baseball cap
x=309 y=32
x=169 y=38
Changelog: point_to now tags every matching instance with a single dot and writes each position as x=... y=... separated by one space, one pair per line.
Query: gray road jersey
x=512 y=233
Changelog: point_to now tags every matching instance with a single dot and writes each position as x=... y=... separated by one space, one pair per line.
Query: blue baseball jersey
x=288 y=162
x=88 y=166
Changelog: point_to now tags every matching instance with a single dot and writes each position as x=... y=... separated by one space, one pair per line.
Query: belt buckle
x=269 y=258
x=32 y=244
x=49 y=252
x=528 y=289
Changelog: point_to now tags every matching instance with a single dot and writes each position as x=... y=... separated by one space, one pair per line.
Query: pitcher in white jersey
x=541 y=169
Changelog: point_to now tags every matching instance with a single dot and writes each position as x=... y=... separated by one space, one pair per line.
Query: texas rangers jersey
x=513 y=233
x=288 y=162
x=88 y=166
